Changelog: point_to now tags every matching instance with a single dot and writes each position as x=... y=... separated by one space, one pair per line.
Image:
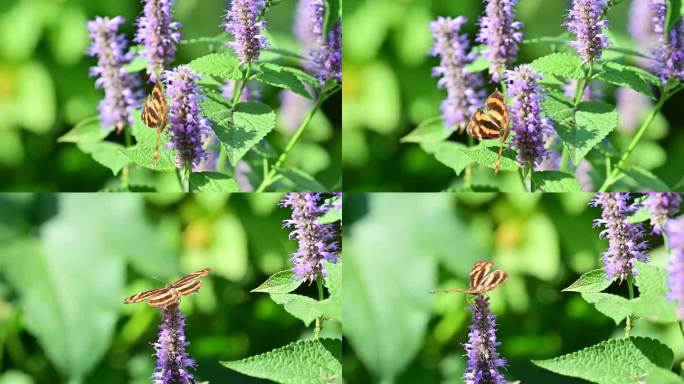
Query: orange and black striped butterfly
x=164 y=297
x=155 y=114
x=481 y=280
x=491 y=124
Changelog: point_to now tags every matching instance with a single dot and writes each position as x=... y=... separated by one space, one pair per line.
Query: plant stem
x=319 y=320
x=583 y=88
x=564 y=159
x=185 y=178
x=629 y=323
x=243 y=83
x=269 y=179
x=681 y=328
x=125 y=171
x=612 y=177
x=522 y=179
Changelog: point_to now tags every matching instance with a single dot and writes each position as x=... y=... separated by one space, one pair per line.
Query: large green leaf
x=301 y=362
x=432 y=130
x=89 y=130
x=251 y=123
x=559 y=64
x=591 y=282
x=298 y=180
x=555 y=181
x=142 y=153
x=614 y=306
x=453 y=155
x=212 y=182
x=652 y=303
x=222 y=65
x=615 y=361
x=594 y=120
x=486 y=154
x=645 y=179
x=282 y=77
x=108 y=154
x=625 y=76
x=279 y=282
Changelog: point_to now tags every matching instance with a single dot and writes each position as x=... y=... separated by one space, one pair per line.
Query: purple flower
x=251 y=92
x=641 y=29
x=242 y=21
x=669 y=57
x=316 y=241
x=531 y=130
x=501 y=35
x=304 y=28
x=585 y=22
x=120 y=87
x=483 y=359
x=675 y=234
x=158 y=34
x=463 y=94
x=172 y=360
x=624 y=238
x=583 y=175
x=326 y=54
x=293 y=110
x=188 y=127
x=662 y=206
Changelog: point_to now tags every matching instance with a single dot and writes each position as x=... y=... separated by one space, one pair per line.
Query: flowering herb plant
x=566 y=133
x=221 y=132
x=316 y=222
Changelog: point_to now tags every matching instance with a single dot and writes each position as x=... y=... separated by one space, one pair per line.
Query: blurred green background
x=45 y=90
x=67 y=261
x=398 y=247
x=388 y=91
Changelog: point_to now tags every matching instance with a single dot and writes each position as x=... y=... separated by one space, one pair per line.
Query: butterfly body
x=482 y=279
x=171 y=294
x=491 y=123
x=155 y=114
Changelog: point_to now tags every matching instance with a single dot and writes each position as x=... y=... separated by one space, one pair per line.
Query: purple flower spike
x=662 y=206
x=531 y=130
x=327 y=52
x=464 y=95
x=675 y=234
x=305 y=25
x=188 y=127
x=624 y=238
x=158 y=34
x=501 y=35
x=172 y=360
x=669 y=57
x=121 y=88
x=483 y=359
x=315 y=240
x=641 y=29
x=242 y=21
x=585 y=22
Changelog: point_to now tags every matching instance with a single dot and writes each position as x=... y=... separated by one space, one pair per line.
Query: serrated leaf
x=301 y=181
x=652 y=303
x=222 y=65
x=644 y=179
x=557 y=107
x=432 y=130
x=453 y=155
x=212 y=182
x=594 y=120
x=89 y=130
x=624 y=76
x=107 y=154
x=614 y=306
x=142 y=153
x=281 y=77
x=301 y=362
x=591 y=282
x=555 y=181
x=302 y=307
x=615 y=361
x=663 y=376
x=559 y=64
x=251 y=123
x=279 y=282
x=486 y=154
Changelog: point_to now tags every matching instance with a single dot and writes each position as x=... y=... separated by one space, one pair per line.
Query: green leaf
x=486 y=154
x=560 y=64
x=453 y=155
x=644 y=179
x=594 y=121
x=89 y=130
x=107 y=154
x=222 y=65
x=212 y=182
x=652 y=303
x=557 y=107
x=430 y=131
x=301 y=181
x=478 y=65
x=331 y=216
x=555 y=181
x=615 y=361
x=281 y=77
x=591 y=282
x=642 y=214
x=279 y=282
x=251 y=123
x=333 y=14
x=675 y=10
x=142 y=153
x=302 y=307
x=301 y=362
x=625 y=76
x=613 y=306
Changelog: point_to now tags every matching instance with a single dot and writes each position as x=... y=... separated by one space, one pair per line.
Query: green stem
x=530 y=171
x=629 y=323
x=564 y=159
x=681 y=328
x=612 y=177
x=522 y=179
x=583 y=87
x=269 y=179
x=243 y=83
x=184 y=178
x=319 y=320
x=125 y=171
x=221 y=162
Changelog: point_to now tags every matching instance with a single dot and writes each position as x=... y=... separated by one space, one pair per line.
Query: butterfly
x=491 y=124
x=155 y=114
x=164 y=297
x=481 y=280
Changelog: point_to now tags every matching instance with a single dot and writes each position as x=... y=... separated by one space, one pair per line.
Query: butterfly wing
x=189 y=287
x=491 y=281
x=191 y=276
x=138 y=297
x=155 y=114
x=478 y=272
x=164 y=299
x=483 y=126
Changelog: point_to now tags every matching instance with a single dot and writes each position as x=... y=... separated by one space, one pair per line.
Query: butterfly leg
x=498 y=159
x=156 y=148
